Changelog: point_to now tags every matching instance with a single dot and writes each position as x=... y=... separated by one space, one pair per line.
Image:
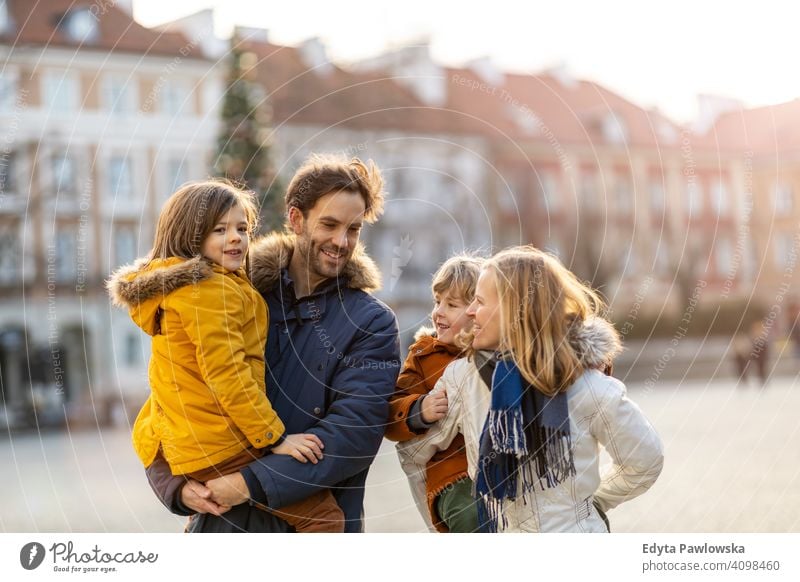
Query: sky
x=657 y=54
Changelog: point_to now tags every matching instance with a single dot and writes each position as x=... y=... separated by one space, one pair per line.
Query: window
x=81 y=26
x=719 y=198
x=133 y=350
x=176 y=174
x=120 y=95
x=65 y=255
x=624 y=195
x=5 y=18
x=614 y=129
x=120 y=181
x=549 y=187
x=175 y=98
x=61 y=93
x=65 y=180
x=785 y=250
x=8 y=91
x=694 y=198
x=10 y=254
x=724 y=257
x=8 y=176
x=588 y=190
x=124 y=245
x=657 y=197
x=784 y=199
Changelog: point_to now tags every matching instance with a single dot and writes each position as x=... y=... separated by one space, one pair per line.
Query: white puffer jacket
x=600 y=415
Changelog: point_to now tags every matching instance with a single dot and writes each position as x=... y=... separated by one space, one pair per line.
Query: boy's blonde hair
x=458 y=274
x=191 y=213
x=540 y=300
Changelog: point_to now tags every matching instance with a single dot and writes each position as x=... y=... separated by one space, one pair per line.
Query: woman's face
x=485 y=313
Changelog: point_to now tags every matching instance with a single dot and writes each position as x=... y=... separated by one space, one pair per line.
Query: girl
x=533 y=404
x=208 y=413
x=444 y=495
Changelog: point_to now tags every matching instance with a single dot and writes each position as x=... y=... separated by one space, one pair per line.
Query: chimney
x=314 y=55
x=198 y=28
x=710 y=108
x=486 y=70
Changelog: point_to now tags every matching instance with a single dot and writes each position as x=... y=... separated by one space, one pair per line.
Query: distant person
x=208 y=413
x=751 y=352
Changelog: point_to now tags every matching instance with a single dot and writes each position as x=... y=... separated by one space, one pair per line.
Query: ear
x=296 y=220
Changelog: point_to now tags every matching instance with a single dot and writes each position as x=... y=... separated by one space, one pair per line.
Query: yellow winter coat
x=208 y=398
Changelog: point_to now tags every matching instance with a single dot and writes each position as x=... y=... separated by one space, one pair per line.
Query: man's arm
x=352 y=429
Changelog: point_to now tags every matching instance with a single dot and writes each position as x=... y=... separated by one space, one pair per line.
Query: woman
x=533 y=403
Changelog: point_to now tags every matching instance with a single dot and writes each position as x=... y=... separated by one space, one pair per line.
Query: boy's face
x=449 y=316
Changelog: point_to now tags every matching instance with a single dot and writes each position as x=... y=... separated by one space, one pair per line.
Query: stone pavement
x=732 y=465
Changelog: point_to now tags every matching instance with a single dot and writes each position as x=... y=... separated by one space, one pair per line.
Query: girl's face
x=485 y=313
x=227 y=243
x=449 y=316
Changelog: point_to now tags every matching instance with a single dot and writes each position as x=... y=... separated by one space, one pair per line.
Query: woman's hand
x=228 y=490
x=434 y=407
x=303 y=447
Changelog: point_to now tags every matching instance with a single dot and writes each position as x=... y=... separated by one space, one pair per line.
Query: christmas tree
x=243 y=148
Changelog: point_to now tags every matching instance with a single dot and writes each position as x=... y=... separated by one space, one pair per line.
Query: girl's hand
x=303 y=447
x=434 y=407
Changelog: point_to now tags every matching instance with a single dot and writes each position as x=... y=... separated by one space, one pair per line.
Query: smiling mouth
x=233 y=253
x=334 y=256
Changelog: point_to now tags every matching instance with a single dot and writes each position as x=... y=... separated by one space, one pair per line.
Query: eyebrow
x=337 y=221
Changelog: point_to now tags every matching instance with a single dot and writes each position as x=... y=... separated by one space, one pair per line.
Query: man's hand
x=228 y=490
x=434 y=407
x=197 y=497
x=303 y=447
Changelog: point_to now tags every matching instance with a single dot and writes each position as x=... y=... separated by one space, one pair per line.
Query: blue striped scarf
x=525 y=442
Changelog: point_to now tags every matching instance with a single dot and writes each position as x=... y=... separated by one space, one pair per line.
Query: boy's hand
x=303 y=447
x=434 y=407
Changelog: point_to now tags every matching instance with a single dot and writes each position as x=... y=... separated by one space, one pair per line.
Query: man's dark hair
x=322 y=174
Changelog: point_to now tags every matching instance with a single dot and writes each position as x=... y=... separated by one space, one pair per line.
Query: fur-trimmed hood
x=134 y=284
x=140 y=287
x=272 y=253
x=596 y=342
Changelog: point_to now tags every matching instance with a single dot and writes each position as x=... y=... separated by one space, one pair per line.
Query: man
x=332 y=357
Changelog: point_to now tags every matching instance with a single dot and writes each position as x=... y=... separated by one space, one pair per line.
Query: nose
x=236 y=236
x=471 y=310
x=341 y=241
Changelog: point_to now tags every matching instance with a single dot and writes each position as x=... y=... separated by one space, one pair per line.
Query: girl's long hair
x=191 y=213
x=540 y=301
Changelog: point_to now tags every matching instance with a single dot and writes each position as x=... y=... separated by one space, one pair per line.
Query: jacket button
x=269 y=435
x=258 y=440
x=320 y=367
x=317 y=410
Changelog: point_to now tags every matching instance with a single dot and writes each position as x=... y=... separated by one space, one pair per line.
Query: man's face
x=327 y=237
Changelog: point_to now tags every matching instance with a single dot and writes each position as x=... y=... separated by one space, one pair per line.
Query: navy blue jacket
x=332 y=362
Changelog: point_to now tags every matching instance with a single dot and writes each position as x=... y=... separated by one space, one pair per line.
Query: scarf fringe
x=507 y=431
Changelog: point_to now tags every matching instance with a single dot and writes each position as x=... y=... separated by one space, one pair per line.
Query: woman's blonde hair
x=191 y=213
x=540 y=301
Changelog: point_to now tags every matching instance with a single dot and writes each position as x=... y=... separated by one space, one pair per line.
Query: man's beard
x=315 y=260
